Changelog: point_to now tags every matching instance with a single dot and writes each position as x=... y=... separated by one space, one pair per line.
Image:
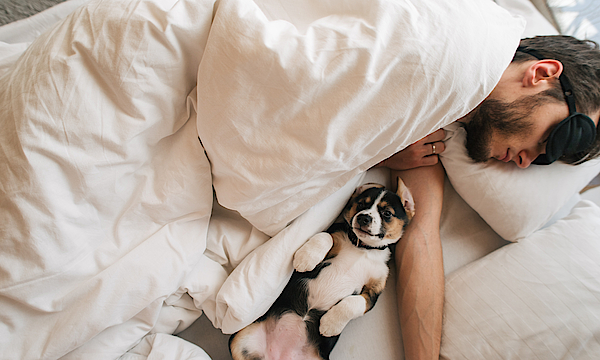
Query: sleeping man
x=535 y=114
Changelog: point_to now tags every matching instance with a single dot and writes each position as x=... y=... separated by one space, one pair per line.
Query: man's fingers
x=437 y=147
x=429 y=160
x=438 y=135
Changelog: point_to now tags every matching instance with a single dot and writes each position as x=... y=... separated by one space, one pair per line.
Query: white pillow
x=535 y=299
x=537 y=24
x=294 y=101
x=513 y=201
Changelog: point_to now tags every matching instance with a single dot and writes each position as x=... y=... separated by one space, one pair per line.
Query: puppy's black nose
x=363 y=219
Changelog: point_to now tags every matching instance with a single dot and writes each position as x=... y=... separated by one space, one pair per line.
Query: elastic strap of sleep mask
x=574 y=134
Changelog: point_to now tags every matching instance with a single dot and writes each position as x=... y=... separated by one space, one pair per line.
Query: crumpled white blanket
x=335 y=87
x=107 y=193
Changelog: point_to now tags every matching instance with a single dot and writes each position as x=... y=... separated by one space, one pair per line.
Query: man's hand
x=422 y=153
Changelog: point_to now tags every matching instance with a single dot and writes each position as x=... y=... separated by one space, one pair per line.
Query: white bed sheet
x=466 y=238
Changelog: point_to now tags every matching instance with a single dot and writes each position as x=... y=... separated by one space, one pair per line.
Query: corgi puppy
x=338 y=276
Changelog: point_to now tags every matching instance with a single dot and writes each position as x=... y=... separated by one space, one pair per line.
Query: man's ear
x=541 y=71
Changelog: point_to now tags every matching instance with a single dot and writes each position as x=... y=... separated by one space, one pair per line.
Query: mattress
x=13 y=10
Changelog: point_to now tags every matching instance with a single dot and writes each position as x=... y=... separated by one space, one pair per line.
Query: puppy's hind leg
x=351 y=307
x=334 y=320
x=248 y=343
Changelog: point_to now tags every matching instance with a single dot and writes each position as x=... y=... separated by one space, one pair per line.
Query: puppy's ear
x=407 y=200
x=365 y=187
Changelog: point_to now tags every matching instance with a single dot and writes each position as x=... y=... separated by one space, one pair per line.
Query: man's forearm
x=419 y=265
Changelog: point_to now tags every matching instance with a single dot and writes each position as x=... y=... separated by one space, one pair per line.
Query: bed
x=145 y=213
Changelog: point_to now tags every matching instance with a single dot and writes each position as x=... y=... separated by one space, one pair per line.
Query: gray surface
x=12 y=10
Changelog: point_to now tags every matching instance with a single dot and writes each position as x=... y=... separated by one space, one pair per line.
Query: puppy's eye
x=361 y=206
x=387 y=215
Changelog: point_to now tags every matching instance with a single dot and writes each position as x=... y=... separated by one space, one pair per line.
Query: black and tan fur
x=338 y=276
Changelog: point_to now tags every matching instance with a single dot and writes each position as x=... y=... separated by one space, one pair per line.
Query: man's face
x=513 y=131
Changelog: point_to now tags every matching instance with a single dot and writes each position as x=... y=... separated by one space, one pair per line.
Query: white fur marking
x=374 y=228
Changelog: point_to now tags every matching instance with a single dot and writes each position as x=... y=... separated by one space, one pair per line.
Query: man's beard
x=499 y=119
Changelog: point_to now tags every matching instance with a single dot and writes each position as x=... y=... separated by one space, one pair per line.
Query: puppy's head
x=378 y=216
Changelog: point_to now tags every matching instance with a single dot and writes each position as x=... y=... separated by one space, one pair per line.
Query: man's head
x=515 y=121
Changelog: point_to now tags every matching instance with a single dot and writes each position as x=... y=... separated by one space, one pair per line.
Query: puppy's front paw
x=305 y=260
x=313 y=252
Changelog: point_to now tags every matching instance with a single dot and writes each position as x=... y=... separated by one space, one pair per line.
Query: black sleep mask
x=574 y=134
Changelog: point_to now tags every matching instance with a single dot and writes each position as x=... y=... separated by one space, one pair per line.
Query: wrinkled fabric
x=107 y=193
x=335 y=87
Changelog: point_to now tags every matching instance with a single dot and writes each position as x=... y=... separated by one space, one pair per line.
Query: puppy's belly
x=282 y=339
x=328 y=289
x=347 y=274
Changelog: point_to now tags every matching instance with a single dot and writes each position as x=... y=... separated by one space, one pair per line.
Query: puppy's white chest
x=349 y=271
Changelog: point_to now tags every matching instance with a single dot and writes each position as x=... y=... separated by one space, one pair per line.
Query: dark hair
x=581 y=65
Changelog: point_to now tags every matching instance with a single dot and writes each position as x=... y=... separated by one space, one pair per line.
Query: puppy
x=338 y=276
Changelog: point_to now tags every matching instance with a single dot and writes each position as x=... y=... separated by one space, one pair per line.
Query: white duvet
x=119 y=122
